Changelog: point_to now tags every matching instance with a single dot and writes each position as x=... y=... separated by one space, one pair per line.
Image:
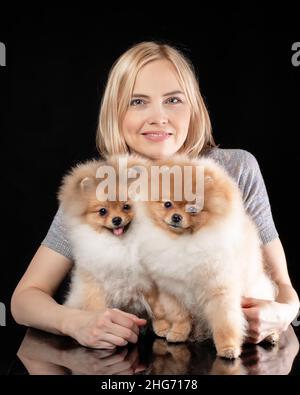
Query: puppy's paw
x=229 y=352
x=180 y=352
x=223 y=366
x=160 y=347
x=175 y=337
x=179 y=332
x=161 y=327
x=273 y=338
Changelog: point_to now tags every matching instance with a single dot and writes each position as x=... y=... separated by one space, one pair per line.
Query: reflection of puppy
x=223 y=366
x=170 y=358
x=207 y=260
x=103 y=241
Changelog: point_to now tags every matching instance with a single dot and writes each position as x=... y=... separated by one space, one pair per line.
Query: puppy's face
x=176 y=217
x=103 y=215
x=114 y=217
x=173 y=217
x=82 y=198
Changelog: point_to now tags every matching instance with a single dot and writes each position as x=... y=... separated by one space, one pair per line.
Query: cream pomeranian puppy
x=202 y=260
x=103 y=239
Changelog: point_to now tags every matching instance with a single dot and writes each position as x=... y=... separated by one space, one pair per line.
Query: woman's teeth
x=157 y=136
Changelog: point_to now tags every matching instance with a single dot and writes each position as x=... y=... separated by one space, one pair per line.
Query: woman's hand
x=42 y=353
x=261 y=359
x=277 y=360
x=102 y=362
x=265 y=316
x=103 y=329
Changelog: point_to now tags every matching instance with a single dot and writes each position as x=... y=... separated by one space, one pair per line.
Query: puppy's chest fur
x=113 y=262
x=189 y=264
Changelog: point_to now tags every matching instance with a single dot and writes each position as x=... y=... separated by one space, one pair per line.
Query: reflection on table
x=43 y=353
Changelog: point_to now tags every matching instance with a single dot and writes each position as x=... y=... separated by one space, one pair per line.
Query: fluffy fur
x=204 y=263
x=107 y=271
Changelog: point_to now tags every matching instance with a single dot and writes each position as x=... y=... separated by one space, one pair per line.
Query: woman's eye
x=174 y=100
x=168 y=204
x=102 y=211
x=136 y=102
x=126 y=207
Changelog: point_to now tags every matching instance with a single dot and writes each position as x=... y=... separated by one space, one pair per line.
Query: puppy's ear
x=209 y=182
x=87 y=184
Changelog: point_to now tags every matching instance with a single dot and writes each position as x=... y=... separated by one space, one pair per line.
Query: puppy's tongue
x=118 y=231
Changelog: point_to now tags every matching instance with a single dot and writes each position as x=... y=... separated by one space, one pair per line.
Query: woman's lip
x=156 y=136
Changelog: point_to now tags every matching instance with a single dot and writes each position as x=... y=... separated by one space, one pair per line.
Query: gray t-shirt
x=240 y=164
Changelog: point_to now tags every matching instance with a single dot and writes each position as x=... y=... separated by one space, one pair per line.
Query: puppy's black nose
x=116 y=221
x=176 y=218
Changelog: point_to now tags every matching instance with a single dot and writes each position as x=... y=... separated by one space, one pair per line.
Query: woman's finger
x=114 y=339
x=116 y=358
x=103 y=344
x=137 y=320
x=127 y=334
x=117 y=317
x=120 y=367
x=248 y=302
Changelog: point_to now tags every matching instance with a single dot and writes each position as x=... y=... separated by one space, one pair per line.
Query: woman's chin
x=158 y=153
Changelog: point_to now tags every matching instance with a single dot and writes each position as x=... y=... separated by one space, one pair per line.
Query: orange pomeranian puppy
x=202 y=258
x=103 y=240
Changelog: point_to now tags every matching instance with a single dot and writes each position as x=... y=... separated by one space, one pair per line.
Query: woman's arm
x=32 y=304
x=266 y=316
x=276 y=262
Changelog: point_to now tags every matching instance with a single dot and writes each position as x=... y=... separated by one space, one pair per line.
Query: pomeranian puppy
x=169 y=358
x=103 y=240
x=203 y=260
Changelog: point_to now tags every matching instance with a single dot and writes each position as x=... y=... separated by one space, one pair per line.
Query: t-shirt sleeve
x=56 y=238
x=256 y=199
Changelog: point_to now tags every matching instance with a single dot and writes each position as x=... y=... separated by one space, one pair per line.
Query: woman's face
x=157 y=120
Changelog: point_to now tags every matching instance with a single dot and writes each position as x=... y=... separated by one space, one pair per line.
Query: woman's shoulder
x=233 y=158
x=239 y=163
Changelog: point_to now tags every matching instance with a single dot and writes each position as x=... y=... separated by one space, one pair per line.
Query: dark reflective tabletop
x=43 y=353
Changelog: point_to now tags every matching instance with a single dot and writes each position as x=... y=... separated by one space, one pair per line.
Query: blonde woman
x=152 y=106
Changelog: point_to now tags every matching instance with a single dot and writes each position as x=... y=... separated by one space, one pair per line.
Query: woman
x=152 y=106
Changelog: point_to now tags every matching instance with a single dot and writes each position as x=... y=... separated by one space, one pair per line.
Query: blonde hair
x=119 y=90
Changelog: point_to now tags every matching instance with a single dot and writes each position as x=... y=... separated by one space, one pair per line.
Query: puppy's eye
x=168 y=204
x=126 y=207
x=103 y=211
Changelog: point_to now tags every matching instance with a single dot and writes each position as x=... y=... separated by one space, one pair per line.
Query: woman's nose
x=157 y=116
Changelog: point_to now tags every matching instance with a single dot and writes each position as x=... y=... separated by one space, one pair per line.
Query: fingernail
x=140 y=368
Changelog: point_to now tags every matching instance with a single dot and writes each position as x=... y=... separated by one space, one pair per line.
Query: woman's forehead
x=159 y=77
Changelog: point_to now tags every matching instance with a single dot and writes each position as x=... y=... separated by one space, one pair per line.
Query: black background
x=50 y=91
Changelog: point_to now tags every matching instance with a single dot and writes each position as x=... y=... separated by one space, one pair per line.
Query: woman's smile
x=156 y=136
